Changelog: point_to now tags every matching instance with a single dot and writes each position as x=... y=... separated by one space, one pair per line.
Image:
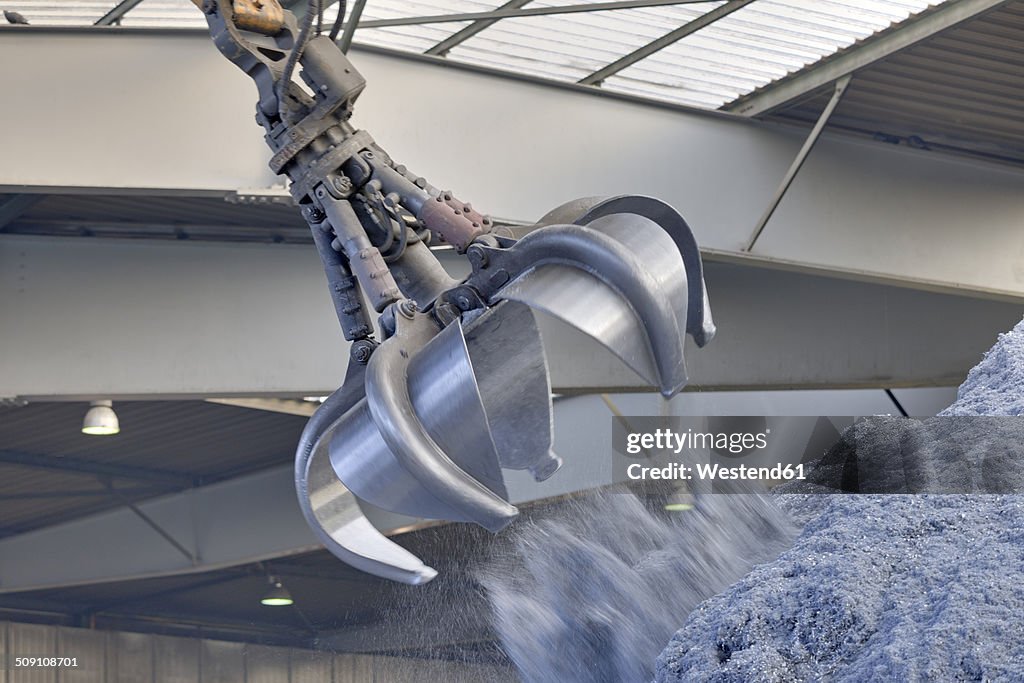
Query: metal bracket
x=798 y=162
x=189 y=554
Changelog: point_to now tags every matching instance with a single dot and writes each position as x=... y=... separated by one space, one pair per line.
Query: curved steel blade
x=625 y=270
x=582 y=300
x=341 y=525
x=419 y=443
x=699 y=322
x=333 y=512
x=511 y=369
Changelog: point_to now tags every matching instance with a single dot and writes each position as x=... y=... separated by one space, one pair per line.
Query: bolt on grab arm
x=455 y=385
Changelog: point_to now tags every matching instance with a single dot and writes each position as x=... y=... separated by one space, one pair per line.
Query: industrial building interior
x=852 y=171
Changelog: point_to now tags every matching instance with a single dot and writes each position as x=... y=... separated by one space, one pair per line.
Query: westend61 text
x=715 y=472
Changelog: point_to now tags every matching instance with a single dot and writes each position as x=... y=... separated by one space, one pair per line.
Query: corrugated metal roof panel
x=187 y=436
x=571 y=46
x=195 y=438
x=416 y=38
x=960 y=90
x=756 y=45
x=165 y=13
x=70 y=13
x=749 y=48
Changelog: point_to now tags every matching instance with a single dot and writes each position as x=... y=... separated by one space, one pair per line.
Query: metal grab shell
x=419 y=443
x=474 y=399
x=580 y=251
x=508 y=360
x=332 y=511
x=699 y=322
x=349 y=535
x=633 y=282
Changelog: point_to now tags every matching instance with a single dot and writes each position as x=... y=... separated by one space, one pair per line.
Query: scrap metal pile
x=886 y=587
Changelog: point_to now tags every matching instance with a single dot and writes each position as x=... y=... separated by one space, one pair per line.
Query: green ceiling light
x=101 y=420
x=678 y=507
x=277 y=596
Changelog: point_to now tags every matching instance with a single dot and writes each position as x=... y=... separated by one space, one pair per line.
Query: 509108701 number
x=46 y=662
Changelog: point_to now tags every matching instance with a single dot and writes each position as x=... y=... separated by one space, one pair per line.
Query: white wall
x=113 y=657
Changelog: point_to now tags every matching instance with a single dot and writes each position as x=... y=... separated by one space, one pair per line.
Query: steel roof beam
x=80 y=493
x=14 y=206
x=165 y=478
x=248 y=519
x=527 y=12
x=675 y=36
x=861 y=55
x=155 y=526
x=459 y=37
x=117 y=13
x=345 y=42
x=151 y=334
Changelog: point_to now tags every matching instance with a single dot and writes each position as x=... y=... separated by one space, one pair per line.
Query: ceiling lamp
x=100 y=420
x=277 y=596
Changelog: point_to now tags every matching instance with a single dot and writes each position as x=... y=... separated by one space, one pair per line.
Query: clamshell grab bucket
x=451 y=386
x=426 y=426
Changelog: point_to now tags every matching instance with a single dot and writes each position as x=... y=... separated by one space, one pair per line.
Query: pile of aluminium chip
x=885 y=587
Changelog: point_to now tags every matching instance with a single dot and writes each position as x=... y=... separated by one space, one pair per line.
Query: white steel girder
x=105 y=318
x=122 y=110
